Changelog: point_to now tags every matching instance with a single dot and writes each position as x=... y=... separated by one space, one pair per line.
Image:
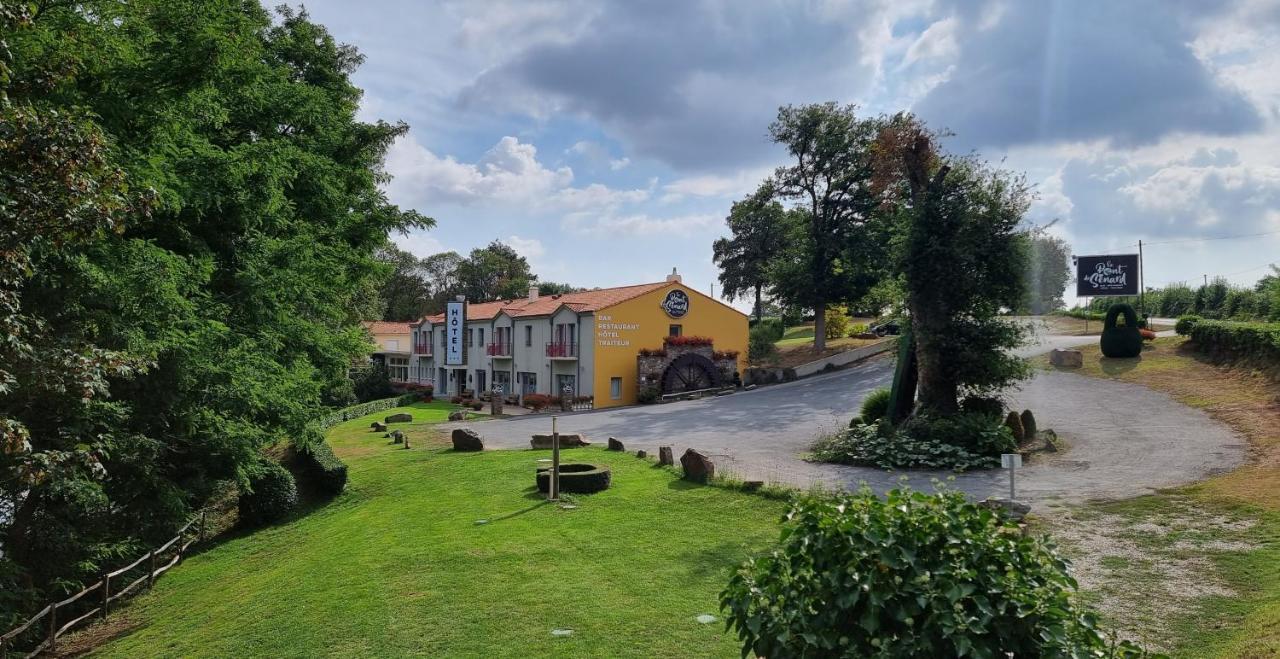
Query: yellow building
x=391 y=347
x=589 y=343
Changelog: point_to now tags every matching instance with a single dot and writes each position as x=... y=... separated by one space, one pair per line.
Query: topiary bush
x=1185 y=324
x=271 y=496
x=1014 y=423
x=910 y=575
x=1029 y=428
x=1121 y=341
x=325 y=470
x=576 y=478
x=875 y=406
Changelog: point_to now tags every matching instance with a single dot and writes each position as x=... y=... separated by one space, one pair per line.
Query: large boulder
x=397 y=437
x=615 y=445
x=567 y=440
x=403 y=417
x=697 y=467
x=466 y=439
x=379 y=427
x=1066 y=358
x=457 y=415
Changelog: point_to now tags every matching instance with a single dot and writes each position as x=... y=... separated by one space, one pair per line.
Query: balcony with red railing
x=422 y=349
x=562 y=350
x=498 y=349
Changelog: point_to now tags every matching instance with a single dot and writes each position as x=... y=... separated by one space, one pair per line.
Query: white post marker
x=1011 y=461
x=554 y=489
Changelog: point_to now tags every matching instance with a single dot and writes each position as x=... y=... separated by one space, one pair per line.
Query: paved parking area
x=1123 y=439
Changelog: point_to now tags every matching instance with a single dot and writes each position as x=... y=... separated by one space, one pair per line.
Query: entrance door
x=442 y=382
x=565 y=382
x=480 y=381
x=528 y=383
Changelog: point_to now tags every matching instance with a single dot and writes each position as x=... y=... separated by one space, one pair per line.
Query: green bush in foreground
x=875 y=406
x=1259 y=342
x=910 y=575
x=271 y=496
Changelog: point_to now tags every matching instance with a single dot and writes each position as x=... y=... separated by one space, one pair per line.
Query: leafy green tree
x=831 y=252
x=757 y=228
x=407 y=289
x=1048 y=272
x=555 y=288
x=962 y=260
x=198 y=216
x=494 y=272
x=442 y=273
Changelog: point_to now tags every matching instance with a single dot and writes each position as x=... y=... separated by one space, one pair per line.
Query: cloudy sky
x=606 y=140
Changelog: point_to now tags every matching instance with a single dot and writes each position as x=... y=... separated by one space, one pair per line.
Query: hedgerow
x=356 y=411
x=326 y=471
x=963 y=443
x=1252 y=341
x=271 y=496
x=910 y=575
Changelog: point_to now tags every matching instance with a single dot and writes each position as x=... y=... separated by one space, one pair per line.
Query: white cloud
x=508 y=174
x=937 y=41
x=640 y=224
x=738 y=184
x=530 y=248
x=619 y=163
x=419 y=243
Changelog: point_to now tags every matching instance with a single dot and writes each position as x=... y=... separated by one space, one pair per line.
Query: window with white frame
x=398 y=368
x=615 y=388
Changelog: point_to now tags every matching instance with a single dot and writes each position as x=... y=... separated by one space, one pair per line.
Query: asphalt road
x=1123 y=439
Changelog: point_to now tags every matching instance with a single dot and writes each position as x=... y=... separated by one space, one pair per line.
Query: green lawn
x=397 y=565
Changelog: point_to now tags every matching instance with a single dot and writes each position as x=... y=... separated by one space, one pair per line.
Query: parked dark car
x=888 y=328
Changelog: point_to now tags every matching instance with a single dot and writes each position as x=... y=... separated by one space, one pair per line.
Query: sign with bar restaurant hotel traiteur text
x=1110 y=274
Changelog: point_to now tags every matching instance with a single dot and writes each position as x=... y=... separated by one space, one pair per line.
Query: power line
x=1201 y=240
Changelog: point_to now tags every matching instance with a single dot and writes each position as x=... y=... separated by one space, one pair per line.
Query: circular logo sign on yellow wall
x=676 y=304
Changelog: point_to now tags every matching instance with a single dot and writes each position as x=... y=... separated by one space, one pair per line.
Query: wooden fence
x=81 y=607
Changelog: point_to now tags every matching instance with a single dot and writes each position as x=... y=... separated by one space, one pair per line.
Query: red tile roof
x=544 y=305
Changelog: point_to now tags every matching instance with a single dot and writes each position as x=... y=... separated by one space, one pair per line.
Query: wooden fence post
x=151 y=569
x=201 y=526
x=53 y=627
x=106 y=594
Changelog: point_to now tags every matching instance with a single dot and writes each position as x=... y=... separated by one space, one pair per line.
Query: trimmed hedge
x=576 y=478
x=356 y=411
x=1237 y=340
x=326 y=471
x=1185 y=323
x=272 y=495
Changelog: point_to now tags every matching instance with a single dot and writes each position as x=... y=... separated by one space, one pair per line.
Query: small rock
x=697 y=467
x=1066 y=358
x=665 y=456
x=706 y=618
x=561 y=632
x=641 y=454
x=466 y=439
x=614 y=445
x=403 y=417
x=457 y=415
x=397 y=437
x=567 y=440
x=750 y=387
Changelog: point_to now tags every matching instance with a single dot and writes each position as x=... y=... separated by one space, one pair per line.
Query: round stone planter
x=576 y=478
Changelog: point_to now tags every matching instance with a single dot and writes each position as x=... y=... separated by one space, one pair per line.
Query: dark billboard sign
x=1109 y=274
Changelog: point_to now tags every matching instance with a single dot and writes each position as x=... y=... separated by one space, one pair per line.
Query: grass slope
x=397 y=565
x=1193 y=570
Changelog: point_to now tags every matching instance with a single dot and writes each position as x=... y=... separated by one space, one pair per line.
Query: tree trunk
x=820 y=326
x=938 y=391
x=759 y=308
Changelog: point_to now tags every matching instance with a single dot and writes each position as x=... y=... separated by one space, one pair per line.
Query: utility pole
x=1206 y=280
x=1142 y=289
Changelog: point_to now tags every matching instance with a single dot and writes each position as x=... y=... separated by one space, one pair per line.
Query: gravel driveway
x=1123 y=439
